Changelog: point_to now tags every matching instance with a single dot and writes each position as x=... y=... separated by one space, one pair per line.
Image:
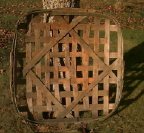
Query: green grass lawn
x=129 y=117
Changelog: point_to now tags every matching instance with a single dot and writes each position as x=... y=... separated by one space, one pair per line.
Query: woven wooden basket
x=69 y=70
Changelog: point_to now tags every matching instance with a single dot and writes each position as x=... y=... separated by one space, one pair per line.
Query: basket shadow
x=133 y=75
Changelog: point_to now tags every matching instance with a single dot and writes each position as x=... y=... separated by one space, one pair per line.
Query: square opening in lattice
x=33 y=88
x=78 y=61
x=70 y=47
x=91 y=34
x=51 y=74
x=100 y=100
x=101 y=47
x=72 y=98
x=51 y=63
x=45 y=115
x=51 y=87
x=60 y=47
x=90 y=100
x=80 y=86
x=100 y=86
x=90 y=74
x=79 y=74
x=101 y=34
x=80 y=33
x=62 y=74
x=112 y=92
x=61 y=87
x=113 y=41
x=63 y=100
x=62 y=61
x=79 y=48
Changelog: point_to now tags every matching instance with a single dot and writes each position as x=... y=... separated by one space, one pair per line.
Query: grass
x=128 y=118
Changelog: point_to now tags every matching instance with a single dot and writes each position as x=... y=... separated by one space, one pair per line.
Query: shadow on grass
x=133 y=75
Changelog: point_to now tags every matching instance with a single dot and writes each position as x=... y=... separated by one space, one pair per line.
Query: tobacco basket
x=67 y=70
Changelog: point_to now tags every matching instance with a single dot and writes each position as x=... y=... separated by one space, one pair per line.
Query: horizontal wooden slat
x=56 y=26
x=76 y=108
x=62 y=54
x=67 y=93
x=76 y=80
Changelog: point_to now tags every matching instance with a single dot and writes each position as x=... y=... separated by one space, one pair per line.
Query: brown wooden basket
x=69 y=70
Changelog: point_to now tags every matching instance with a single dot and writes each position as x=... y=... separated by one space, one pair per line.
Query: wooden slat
x=47 y=73
x=85 y=62
x=76 y=80
x=38 y=72
x=76 y=54
x=95 y=91
x=56 y=26
x=67 y=73
x=76 y=108
x=106 y=60
x=69 y=94
x=73 y=73
x=56 y=65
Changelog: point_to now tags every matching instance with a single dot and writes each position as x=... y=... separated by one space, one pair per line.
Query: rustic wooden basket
x=70 y=70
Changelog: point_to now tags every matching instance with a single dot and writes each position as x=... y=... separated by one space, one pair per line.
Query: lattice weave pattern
x=89 y=52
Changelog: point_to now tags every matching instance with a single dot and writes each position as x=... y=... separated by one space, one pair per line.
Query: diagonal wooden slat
x=90 y=87
x=47 y=93
x=51 y=44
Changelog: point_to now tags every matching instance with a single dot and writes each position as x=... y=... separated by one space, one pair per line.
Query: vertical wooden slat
x=66 y=48
x=56 y=71
x=73 y=72
x=106 y=61
x=95 y=66
x=67 y=63
x=85 y=59
x=38 y=71
x=47 y=74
